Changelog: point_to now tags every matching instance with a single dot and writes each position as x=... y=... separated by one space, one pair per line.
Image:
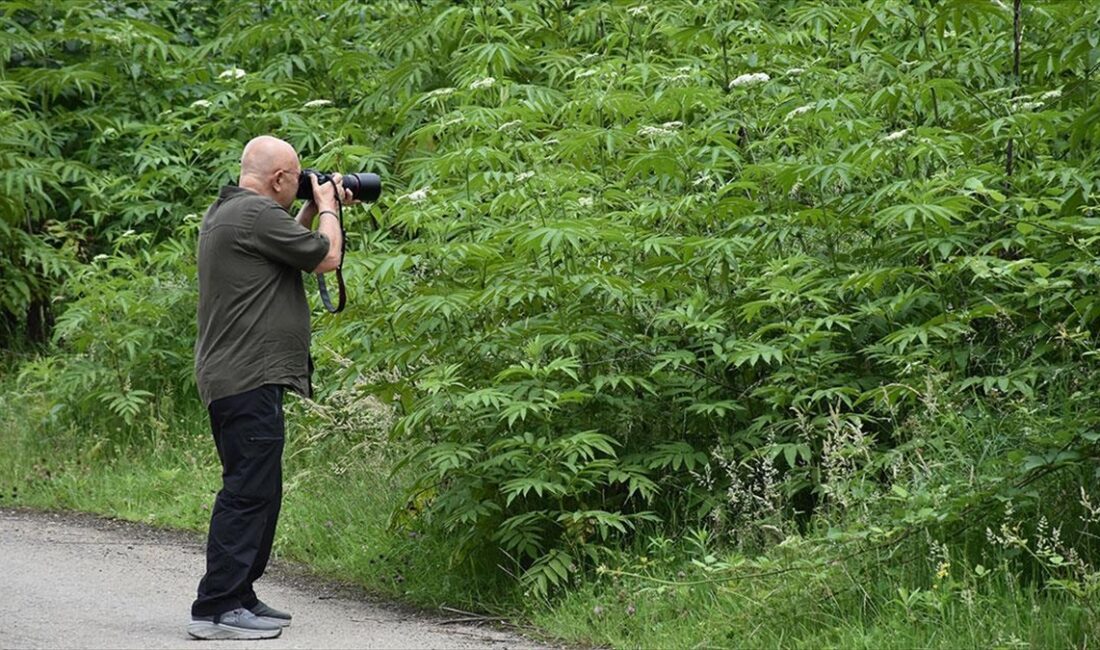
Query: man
x=253 y=343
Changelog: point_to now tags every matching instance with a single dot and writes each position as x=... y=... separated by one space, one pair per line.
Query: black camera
x=364 y=187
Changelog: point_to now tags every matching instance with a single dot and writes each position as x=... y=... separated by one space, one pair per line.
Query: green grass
x=337 y=519
x=337 y=506
x=800 y=611
x=164 y=479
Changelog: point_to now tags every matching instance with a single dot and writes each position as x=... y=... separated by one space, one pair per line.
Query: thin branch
x=1010 y=156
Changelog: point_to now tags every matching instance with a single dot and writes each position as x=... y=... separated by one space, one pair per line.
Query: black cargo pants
x=249 y=433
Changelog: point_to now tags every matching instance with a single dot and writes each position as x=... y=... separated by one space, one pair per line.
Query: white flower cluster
x=896 y=135
x=663 y=131
x=794 y=72
x=800 y=110
x=1034 y=101
x=487 y=82
x=640 y=10
x=524 y=176
x=654 y=131
x=585 y=73
x=232 y=73
x=508 y=126
x=314 y=103
x=683 y=73
x=585 y=201
x=440 y=92
x=750 y=79
x=200 y=103
x=417 y=196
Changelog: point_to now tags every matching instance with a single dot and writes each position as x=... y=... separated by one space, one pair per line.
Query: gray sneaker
x=239 y=624
x=270 y=614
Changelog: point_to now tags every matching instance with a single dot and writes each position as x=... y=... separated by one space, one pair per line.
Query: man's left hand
x=346 y=197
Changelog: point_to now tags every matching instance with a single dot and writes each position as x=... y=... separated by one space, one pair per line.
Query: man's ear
x=279 y=182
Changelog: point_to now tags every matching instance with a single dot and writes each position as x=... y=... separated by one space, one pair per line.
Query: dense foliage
x=750 y=268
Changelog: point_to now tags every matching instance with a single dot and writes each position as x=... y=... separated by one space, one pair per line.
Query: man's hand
x=346 y=196
x=325 y=195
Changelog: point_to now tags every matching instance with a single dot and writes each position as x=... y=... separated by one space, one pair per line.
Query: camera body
x=363 y=186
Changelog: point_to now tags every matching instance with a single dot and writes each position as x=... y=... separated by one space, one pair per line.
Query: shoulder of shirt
x=255 y=206
x=247 y=206
x=247 y=197
x=262 y=203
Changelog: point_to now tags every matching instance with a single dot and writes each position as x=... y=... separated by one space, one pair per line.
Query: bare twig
x=470 y=617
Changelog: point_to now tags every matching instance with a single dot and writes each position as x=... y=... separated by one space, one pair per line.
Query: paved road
x=69 y=581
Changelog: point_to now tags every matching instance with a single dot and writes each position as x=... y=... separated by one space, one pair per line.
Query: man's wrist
x=324 y=212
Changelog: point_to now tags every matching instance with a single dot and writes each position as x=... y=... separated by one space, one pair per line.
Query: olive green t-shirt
x=253 y=315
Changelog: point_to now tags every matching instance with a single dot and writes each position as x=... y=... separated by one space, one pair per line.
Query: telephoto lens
x=363 y=186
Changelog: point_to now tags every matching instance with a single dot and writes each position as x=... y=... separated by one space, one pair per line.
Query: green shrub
x=124 y=341
x=722 y=265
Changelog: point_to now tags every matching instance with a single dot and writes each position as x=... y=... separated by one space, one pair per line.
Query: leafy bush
x=722 y=264
x=639 y=248
x=129 y=332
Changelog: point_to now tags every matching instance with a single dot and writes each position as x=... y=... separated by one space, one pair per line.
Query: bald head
x=262 y=160
x=265 y=155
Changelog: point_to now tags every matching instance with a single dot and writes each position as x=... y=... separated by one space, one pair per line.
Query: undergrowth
x=1002 y=582
x=708 y=322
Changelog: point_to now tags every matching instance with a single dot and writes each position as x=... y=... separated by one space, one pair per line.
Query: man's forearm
x=306 y=214
x=329 y=226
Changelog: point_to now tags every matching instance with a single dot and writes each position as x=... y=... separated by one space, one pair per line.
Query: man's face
x=285 y=183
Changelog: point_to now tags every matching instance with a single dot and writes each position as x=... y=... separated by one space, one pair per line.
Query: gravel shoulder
x=77 y=581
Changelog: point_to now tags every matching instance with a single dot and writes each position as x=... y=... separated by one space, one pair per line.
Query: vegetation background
x=680 y=323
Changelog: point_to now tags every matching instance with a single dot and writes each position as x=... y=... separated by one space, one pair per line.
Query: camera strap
x=342 y=296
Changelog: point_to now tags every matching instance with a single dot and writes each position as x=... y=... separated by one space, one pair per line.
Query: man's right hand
x=324 y=195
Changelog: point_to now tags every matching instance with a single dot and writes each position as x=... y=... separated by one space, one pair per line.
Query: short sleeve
x=280 y=238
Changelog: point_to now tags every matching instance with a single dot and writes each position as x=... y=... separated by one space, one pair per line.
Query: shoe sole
x=283 y=622
x=210 y=631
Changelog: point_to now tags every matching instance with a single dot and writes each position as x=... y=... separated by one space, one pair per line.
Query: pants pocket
x=259 y=470
x=250 y=434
